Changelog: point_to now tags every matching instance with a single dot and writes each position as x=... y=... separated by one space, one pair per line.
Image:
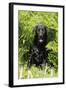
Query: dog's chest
x=38 y=54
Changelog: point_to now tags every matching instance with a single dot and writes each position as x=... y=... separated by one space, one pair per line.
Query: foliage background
x=27 y=20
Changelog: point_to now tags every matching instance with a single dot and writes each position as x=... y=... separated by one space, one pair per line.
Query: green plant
x=26 y=22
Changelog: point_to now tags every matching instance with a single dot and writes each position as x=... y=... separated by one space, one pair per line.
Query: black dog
x=38 y=53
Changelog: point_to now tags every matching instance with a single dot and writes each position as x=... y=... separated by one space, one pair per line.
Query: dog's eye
x=39 y=29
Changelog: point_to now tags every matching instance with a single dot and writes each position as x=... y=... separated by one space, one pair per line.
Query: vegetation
x=27 y=20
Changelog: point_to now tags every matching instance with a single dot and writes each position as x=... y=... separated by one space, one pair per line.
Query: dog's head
x=40 y=33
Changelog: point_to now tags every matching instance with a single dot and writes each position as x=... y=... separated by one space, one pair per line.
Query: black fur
x=38 y=52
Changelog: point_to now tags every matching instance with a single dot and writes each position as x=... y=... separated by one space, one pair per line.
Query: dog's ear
x=46 y=31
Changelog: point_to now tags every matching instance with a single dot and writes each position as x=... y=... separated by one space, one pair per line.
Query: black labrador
x=38 y=52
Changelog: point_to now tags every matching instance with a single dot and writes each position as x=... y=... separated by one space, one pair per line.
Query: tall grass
x=26 y=22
